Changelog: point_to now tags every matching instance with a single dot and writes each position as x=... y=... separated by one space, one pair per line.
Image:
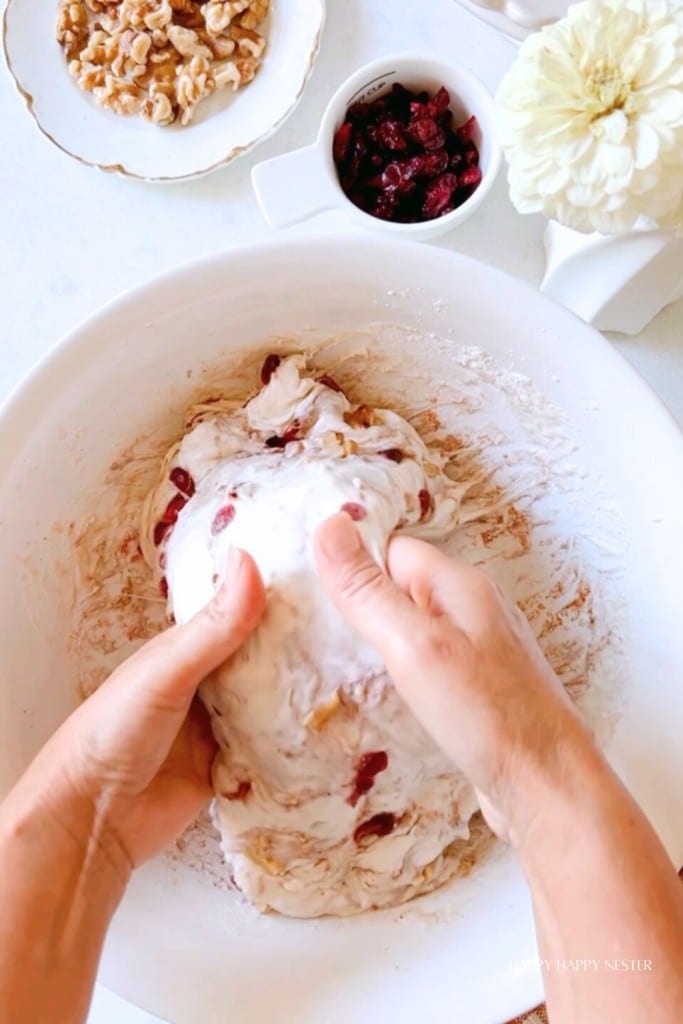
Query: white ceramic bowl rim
x=137 y=350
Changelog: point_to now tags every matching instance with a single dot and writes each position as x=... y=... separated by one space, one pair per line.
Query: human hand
x=463 y=658
x=130 y=768
x=121 y=778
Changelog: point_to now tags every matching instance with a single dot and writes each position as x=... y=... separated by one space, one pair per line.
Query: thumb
x=168 y=669
x=363 y=593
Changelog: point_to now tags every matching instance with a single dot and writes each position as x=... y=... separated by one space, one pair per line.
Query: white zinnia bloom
x=591 y=115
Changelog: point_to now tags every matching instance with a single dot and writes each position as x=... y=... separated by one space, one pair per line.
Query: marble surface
x=72 y=238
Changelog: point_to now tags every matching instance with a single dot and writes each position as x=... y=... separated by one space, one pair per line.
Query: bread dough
x=330 y=797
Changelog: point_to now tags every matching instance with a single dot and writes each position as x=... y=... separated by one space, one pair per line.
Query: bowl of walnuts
x=160 y=90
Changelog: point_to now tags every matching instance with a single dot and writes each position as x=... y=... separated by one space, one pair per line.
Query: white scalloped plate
x=225 y=126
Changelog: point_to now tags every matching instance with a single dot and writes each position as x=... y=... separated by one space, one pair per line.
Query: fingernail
x=339 y=539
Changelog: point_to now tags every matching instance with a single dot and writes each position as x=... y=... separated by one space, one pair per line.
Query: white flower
x=591 y=115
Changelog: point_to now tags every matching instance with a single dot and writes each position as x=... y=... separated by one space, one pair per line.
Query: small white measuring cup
x=300 y=184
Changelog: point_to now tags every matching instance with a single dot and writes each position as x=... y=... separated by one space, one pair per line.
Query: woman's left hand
x=135 y=758
x=119 y=780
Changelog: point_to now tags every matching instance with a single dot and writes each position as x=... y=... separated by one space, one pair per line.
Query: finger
x=170 y=667
x=440 y=583
x=203 y=746
x=362 y=592
x=418 y=653
x=406 y=615
x=415 y=566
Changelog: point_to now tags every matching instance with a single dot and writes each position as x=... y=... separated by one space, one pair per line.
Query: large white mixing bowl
x=178 y=947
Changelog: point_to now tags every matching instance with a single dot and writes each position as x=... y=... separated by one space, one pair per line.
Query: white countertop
x=72 y=238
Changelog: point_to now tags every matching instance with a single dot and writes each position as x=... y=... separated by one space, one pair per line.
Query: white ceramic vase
x=614 y=282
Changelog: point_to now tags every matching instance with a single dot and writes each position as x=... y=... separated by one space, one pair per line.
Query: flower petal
x=646 y=141
x=591 y=116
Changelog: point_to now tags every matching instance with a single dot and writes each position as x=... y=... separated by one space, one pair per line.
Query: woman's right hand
x=466 y=662
x=604 y=892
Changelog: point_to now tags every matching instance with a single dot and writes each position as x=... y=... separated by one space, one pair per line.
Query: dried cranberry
x=469 y=178
x=270 y=365
x=437 y=141
x=419 y=110
x=354 y=510
x=372 y=139
x=391 y=177
x=398 y=177
x=357 y=111
x=223 y=518
x=391 y=134
x=381 y=824
x=329 y=382
x=292 y=432
x=400 y=97
x=174 y=508
x=434 y=108
x=181 y=479
x=431 y=164
x=466 y=131
x=384 y=208
x=163 y=587
x=424 y=131
x=426 y=503
x=353 y=166
x=241 y=793
x=441 y=100
x=281 y=440
x=358 y=198
x=369 y=765
x=471 y=155
x=160 y=531
x=395 y=454
x=342 y=142
x=438 y=195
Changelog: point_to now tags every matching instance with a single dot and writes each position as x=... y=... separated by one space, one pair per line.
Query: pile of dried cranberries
x=400 y=157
